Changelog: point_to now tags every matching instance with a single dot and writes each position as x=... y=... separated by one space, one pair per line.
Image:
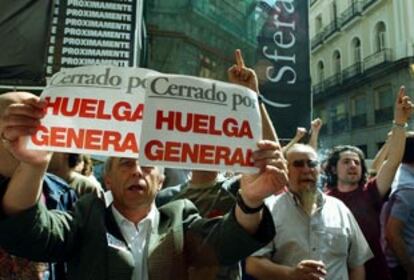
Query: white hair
x=108 y=166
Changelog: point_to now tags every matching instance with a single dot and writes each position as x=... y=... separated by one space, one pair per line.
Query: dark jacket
x=85 y=238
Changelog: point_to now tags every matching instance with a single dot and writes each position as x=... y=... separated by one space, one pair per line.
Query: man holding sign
x=128 y=238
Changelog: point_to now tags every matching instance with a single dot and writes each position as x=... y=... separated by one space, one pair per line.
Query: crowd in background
x=335 y=218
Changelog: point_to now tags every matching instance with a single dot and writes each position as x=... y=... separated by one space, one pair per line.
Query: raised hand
x=18 y=121
x=316 y=125
x=300 y=133
x=272 y=177
x=403 y=107
x=242 y=75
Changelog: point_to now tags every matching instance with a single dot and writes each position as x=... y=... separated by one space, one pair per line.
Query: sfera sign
x=283 y=65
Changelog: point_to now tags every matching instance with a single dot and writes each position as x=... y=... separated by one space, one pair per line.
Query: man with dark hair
x=347 y=173
x=332 y=161
x=399 y=227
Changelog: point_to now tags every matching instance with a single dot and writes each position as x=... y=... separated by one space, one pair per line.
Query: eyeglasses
x=300 y=163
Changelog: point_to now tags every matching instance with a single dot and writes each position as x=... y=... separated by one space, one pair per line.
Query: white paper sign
x=199 y=124
x=94 y=110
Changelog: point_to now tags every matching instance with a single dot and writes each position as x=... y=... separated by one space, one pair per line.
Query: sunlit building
x=361 y=52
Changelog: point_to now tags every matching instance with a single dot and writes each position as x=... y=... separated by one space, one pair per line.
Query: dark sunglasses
x=300 y=163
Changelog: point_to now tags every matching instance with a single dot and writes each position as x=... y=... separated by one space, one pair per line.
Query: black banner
x=283 y=64
x=87 y=32
x=24 y=26
x=39 y=37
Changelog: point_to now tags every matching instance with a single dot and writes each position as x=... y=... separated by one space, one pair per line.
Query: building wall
x=375 y=131
x=199 y=37
x=356 y=102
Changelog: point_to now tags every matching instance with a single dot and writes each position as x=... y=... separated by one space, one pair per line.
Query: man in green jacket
x=123 y=235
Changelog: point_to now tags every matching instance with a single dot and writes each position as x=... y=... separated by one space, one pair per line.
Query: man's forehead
x=348 y=155
x=303 y=152
x=121 y=160
x=302 y=155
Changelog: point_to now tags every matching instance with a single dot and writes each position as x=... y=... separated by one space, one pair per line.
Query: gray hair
x=108 y=166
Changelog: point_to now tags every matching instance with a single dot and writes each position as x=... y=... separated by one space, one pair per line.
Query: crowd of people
x=299 y=217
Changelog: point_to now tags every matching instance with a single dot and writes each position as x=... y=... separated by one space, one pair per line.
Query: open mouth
x=136 y=188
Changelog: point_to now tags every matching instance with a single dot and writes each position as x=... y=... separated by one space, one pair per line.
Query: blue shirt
x=403 y=209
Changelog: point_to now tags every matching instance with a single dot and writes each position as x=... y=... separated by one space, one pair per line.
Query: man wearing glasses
x=317 y=236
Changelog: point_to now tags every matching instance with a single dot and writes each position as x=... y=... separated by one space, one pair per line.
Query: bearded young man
x=347 y=173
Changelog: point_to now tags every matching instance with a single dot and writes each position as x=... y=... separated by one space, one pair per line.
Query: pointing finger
x=401 y=94
x=239 y=59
